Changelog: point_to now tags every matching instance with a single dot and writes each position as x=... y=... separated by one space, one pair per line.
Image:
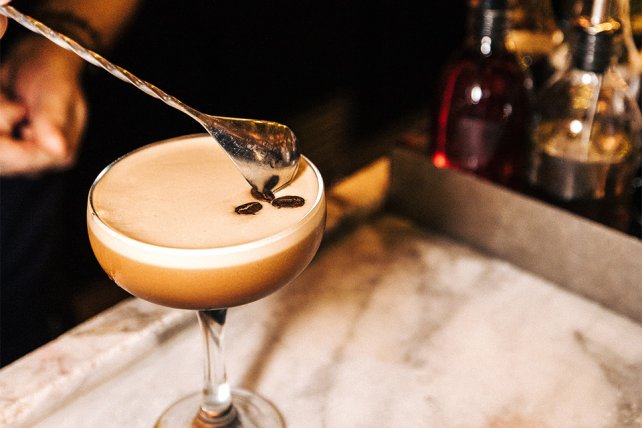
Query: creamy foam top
x=182 y=194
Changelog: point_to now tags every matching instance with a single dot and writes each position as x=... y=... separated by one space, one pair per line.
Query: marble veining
x=395 y=326
x=93 y=351
x=621 y=374
x=391 y=325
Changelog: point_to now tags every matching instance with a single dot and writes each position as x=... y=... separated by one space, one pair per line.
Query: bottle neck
x=487 y=31
x=593 y=51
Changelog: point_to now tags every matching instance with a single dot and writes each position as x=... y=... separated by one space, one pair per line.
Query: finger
x=51 y=139
x=56 y=125
x=20 y=157
x=12 y=114
x=75 y=126
x=3 y=19
x=41 y=147
x=60 y=141
x=3 y=25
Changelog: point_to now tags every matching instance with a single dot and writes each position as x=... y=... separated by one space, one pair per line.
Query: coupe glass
x=207 y=279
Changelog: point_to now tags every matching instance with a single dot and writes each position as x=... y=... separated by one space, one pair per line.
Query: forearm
x=94 y=23
x=41 y=95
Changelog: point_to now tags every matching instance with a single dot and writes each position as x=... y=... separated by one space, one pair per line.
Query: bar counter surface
x=391 y=325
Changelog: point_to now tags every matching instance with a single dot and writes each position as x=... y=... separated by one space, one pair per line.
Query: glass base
x=252 y=411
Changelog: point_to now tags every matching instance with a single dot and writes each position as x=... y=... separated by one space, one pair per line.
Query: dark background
x=286 y=61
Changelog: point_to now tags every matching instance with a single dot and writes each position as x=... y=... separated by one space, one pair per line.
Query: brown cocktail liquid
x=162 y=224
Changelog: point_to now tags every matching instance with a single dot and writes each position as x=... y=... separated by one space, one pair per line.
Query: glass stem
x=216 y=406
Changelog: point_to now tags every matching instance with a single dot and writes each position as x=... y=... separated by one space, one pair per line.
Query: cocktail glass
x=165 y=257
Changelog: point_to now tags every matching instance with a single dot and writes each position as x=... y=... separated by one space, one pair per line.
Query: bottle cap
x=594 y=45
x=492 y=4
x=489 y=19
x=593 y=50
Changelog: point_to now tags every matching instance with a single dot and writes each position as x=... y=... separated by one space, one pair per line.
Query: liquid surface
x=165 y=227
x=605 y=146
x=564 y=167
x=182 y=194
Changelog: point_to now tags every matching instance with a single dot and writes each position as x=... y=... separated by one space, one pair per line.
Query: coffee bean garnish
x=288 y=202
x=267 y=195
x=249 y=208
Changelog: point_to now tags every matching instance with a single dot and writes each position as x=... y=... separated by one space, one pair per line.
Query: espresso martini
x=163 y=223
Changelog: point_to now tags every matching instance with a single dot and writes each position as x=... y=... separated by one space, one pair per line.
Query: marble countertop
x=391 y=325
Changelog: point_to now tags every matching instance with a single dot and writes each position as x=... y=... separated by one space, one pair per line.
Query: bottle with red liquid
x=480 y=123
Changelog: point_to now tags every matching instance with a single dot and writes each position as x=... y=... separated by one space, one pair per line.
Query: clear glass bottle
x=480 y=120
x=636 y=211
x=636 y=23
x=636 y=205
x=587 y=130
x=534 y=36
x=629 y=62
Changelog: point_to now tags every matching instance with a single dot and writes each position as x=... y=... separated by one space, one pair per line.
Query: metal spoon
x=265 y=152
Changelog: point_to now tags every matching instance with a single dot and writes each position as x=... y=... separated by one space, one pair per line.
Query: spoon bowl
x=266 y=153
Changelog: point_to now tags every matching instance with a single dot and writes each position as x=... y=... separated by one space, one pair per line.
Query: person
x=43 y=113
x=336 y=78
x=3 y=19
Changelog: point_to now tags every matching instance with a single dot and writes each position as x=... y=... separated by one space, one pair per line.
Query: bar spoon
x=265 y=152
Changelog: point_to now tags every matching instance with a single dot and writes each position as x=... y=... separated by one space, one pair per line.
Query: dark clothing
x=30 y=223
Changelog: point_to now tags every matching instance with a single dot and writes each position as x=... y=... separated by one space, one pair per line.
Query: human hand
x=3 y=19
x=42 y=108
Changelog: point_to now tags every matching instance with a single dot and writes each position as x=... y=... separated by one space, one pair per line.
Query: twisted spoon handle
x=265 y=152
x=97 y=60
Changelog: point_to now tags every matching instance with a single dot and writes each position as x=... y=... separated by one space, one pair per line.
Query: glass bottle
x=587 y=130
x=625 y=12
x=636 y=23
x=534 y=36
x=636 y=205
x=479 y=123
x=636 y=210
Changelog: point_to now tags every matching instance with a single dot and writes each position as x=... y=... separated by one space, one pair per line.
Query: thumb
x=49 y=137
x=13 y=114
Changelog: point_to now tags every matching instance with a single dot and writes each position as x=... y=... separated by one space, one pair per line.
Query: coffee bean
x=249 y=208
x=265 y=196
x=288 y=202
